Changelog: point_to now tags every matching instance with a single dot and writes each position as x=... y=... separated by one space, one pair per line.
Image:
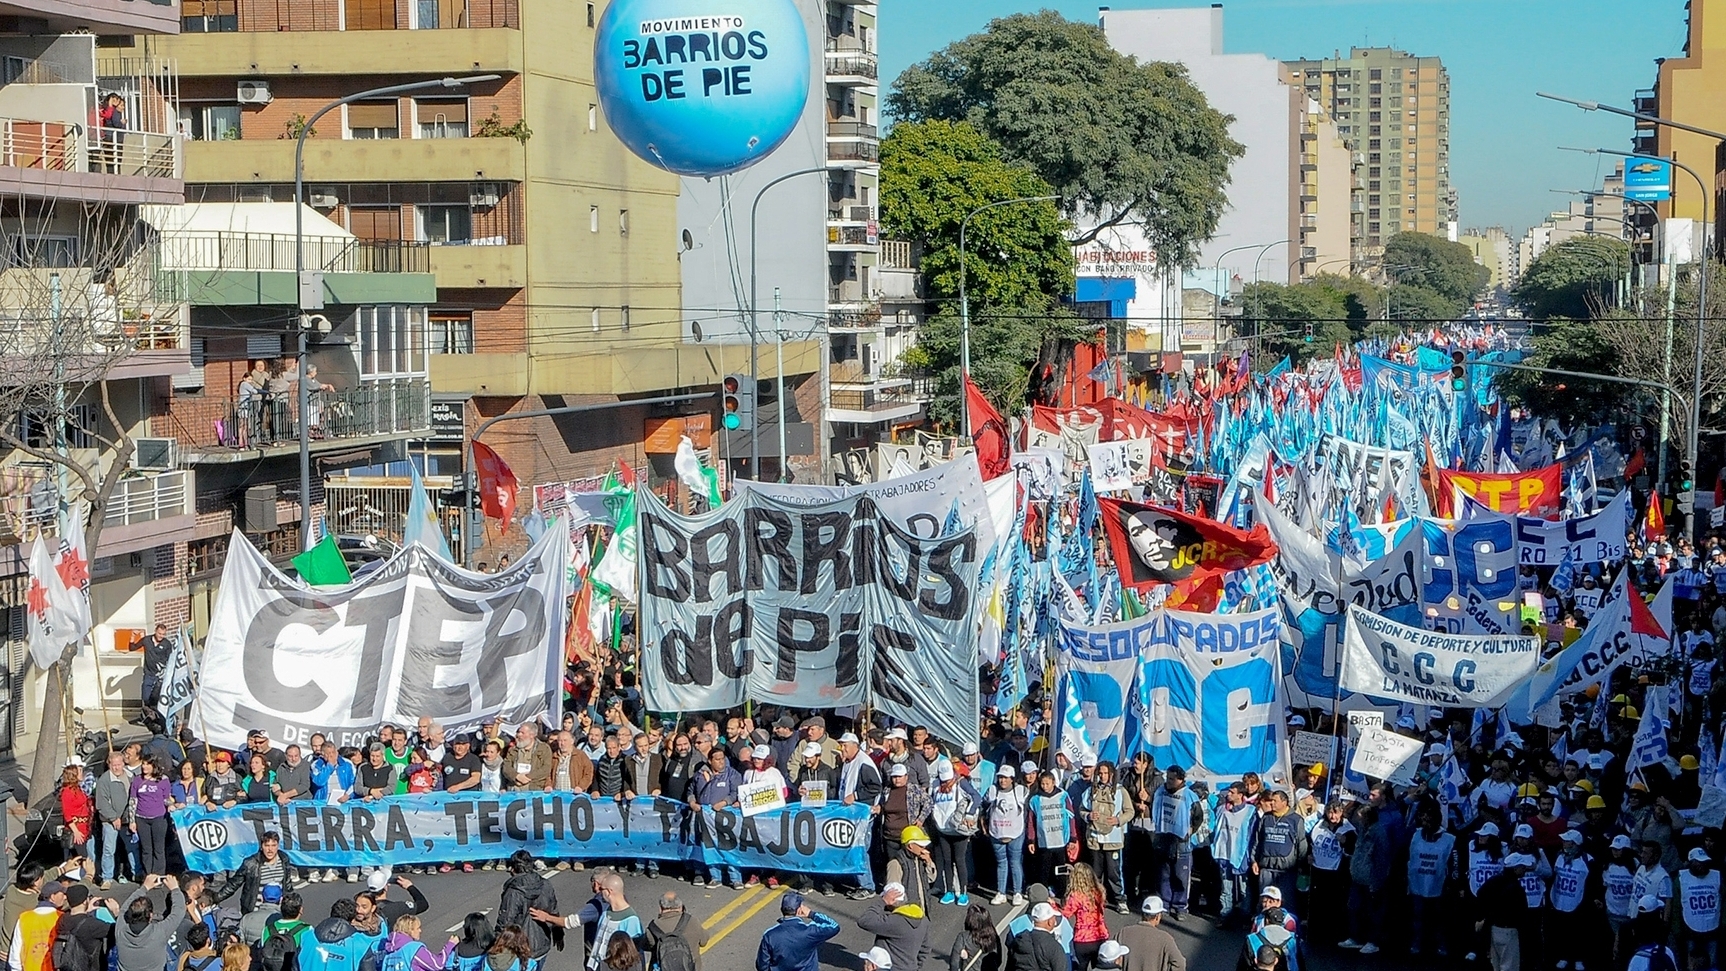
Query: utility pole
x=779 y=372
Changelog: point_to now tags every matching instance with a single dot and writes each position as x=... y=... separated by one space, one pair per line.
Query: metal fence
x=266 y=420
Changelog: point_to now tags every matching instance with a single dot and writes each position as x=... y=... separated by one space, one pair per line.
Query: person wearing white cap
x=1504 y=909
x=1111 y=956
x=955 y=807
x=1037 y=949
x=876 y=959
x=1618 y=893
x=1699 y=907
x=812 y=773
x=974 y=766
x=1004 y=807
x=1430 y=851
x=1651 y=876
x=1150 y=947
x=859 y=783
x=1648 y=932
x=903 y=805
x=898 y=925
x=762 y=770
x=899 y=753
x=1568 y=933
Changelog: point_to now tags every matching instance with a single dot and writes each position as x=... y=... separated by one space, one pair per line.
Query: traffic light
x=1458 y=373
x=738 y=402
x=1306 y=334
x=1686 y=477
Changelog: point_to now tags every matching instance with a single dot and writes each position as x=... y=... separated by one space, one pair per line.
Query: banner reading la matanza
x=1386 y=659
x=809 y=606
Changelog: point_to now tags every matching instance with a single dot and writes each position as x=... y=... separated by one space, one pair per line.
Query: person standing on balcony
x=112 y=119
x=315 y=401
x=248 y=410
x=279 y=393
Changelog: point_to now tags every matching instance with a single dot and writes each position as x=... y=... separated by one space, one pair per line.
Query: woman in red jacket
x=77 y=810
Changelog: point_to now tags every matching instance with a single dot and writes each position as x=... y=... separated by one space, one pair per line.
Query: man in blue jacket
x=794 y=944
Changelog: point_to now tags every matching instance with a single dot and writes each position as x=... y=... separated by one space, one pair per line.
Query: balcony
x=218 y=428
x=359 y=160
x=851 y=238
x=120 y=328
x=848 y=292
x=865 y=152
x=894 y=399
x=854 y=68
x=336 y=52
x=1647 y=102
x=851 y=214
x=97 y=16
x=210 y=269
x=147 y=511
x=842 y=128
x=64 y=160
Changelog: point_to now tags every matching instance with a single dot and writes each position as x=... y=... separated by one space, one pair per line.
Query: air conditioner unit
x=155 y=454
x=484 y=195
x=253 y=93
x=318 y=199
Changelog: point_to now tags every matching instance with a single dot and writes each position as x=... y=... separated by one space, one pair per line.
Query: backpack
x=281 y=948
x=673 y=951
x=67 y=955
x=204 y=964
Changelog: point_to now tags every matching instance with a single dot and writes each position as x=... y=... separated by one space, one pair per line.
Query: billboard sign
x=1647 y=179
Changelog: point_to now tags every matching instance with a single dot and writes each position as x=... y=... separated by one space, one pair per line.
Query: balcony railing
x=852 y=129
x=65 y=147
x=266 y=252
x=896 y=253
x=147 y=499
x=268 y=420
x=848 y=43
x=298 y=15
x=856 y=214
x=854 y=151
x=880 y=398
x=849 y=236
x=862 y=65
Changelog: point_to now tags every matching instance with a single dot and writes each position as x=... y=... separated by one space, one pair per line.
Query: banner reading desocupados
x=457 y=827
x=809 y=606
x=1392 y=660
x=418 y=637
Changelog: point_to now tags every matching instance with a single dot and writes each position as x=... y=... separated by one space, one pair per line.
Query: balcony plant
x=492 y=126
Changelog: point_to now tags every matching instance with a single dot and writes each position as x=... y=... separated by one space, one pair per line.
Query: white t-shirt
x=1569 y=882
x=1620 y=885
x=1653 y=880
x=1699 y=900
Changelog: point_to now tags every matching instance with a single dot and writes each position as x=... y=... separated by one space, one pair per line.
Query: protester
x=794 y=944
x=899 y=926
x=675 y=937
x=978 y=946
x=1149 y=946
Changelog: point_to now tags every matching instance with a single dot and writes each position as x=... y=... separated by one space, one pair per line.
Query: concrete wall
x=1249 y=87
x=791 y=231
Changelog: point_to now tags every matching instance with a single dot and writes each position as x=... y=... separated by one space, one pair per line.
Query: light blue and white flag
x=422 y=524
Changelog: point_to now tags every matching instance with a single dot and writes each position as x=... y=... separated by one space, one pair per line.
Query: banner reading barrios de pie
x=418 y=637
x=809 y=606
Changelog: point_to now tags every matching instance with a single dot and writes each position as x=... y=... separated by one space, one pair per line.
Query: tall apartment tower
x=1393 y=108
x=1688 y=89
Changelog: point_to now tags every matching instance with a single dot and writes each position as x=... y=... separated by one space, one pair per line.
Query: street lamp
x=755 y=342
x=1258 y=301
x=965 y=308
x=1693 y=445
x=1217 y=304
x=305 y=397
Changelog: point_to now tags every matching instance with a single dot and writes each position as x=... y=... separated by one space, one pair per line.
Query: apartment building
x=1688 y=89
x=87 y=340
x=1393 y=108
x=552 y=248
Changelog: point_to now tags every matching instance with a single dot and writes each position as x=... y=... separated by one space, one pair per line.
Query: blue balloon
x=700 y=91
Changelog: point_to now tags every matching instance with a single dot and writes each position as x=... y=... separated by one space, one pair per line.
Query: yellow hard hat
x=1528 y=790
x=1689 y=763
x=1621 y=699
x=1584 y=785
x=1638 y=786
x=1317 y=768
x=1630 y=712
x=1595 y=802
x=914 y=834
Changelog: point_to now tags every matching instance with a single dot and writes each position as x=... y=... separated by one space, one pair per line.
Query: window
x=593 y=117
x=210 y=123
x=593 y=219
x=1372 y=200
x=392 y=341
x=624 y=317
x=1371 y=116
x=432 y=14
x=374 y=119
x=44 y=252
x=1373 y=143
x=595 y=320
x=590 y=15
x=36 y=428
x=442 y=117
x=370 y=15
x=451 y=331
x=209 y=16
x=445 y=224
x=1375 y=74
x=375 y=222
x=1372 y=213
x=623 y=222
x=1372 y=228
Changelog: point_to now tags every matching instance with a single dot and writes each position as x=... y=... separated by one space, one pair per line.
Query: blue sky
x=1498 y=52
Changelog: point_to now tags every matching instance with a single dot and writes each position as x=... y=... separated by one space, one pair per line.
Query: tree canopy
x=1118 y=140
x=1336 y=308
x=1573 y=278
x=1438 y=266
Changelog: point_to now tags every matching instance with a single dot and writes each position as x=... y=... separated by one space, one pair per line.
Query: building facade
x=1688 y=89
x=1393 y=108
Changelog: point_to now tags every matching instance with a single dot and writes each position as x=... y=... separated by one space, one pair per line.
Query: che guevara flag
x=1154 y=545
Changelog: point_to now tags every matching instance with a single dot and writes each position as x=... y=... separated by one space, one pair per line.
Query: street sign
x=1648 y=179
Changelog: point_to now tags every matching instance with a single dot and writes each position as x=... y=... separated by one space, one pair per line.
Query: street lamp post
x=965 y=308
x=1217 y=304
x=1257 y=300
x=1693 y=446
x=755 y=336
x=305 y=397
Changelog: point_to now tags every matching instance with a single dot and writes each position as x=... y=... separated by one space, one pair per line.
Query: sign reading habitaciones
x=808 y=606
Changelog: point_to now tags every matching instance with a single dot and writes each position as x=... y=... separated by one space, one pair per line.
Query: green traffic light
x=732 y=422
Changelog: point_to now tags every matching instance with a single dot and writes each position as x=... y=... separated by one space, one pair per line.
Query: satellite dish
x=688 y=241
x=694 y=326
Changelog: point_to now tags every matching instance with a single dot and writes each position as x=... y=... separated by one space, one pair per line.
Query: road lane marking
x=738 y=901
x=451 y=930
x=744 y=917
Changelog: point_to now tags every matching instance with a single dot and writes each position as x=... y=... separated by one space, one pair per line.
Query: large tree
x=1017 y=261
x=1122 y=142
x=1568 y=345
x=1332 y=309
x=1437 y=265
x=1573 y=278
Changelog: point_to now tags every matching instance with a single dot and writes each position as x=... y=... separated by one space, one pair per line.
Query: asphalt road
x=736 y=919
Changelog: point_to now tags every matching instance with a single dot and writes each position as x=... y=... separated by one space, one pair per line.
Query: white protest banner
x=760 y=797
x=1119 y=465
x=1208 y=690
x=812 y=794
x=1390 y=660
x=1360 y=721
x=1384 y=755
x=1311 y=748
x=418 y=637
x=176 y=691
x=810 y=606
x=1042 y=470
x=918 y=504
x=1361 y=477
x=1711 y=808
x=1589 y=539
x=1469 y=580
x=1101 y=681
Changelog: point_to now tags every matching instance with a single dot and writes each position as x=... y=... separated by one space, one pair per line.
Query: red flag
x=1720 y=489
x=1154 y=545
x=1641 y=618
x=497 y=485
x=1637 y=463
x=1654 y=527
x=988 y=432
x=625 y=474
